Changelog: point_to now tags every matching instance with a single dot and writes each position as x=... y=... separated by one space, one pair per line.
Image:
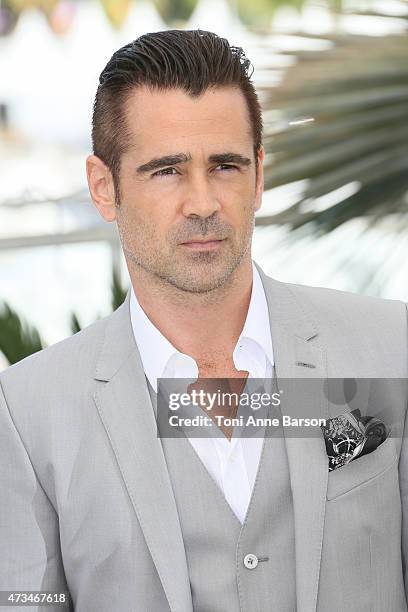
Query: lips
x=202 y=241
x=203 y=245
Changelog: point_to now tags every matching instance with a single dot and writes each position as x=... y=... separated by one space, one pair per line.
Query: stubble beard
x=193 y=273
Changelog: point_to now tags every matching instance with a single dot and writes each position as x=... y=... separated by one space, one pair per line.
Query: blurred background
x=332 y=76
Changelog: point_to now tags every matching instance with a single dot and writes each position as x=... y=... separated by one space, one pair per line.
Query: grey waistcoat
x=215 y=541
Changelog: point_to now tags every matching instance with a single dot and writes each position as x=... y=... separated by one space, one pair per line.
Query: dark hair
x=193 y=60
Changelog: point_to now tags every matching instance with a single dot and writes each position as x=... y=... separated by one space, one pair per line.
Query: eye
x=164 y=172
x=228 y=166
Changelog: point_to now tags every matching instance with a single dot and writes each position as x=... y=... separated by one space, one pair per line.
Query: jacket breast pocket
x=362 y=469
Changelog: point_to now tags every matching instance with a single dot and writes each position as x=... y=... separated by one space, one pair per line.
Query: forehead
x=155 y=117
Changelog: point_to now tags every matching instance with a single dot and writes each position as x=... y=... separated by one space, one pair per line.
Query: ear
x=260 y=180
x=101 y=187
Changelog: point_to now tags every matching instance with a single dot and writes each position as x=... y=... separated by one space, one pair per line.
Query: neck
x=205 y=326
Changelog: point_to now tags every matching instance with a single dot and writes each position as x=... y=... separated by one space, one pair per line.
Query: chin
x=201 y=281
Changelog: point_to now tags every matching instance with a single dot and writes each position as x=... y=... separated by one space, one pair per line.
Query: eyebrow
x=180 y=158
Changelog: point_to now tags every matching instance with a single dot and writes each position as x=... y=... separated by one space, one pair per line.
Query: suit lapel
x=125 y=408
x=298 y=354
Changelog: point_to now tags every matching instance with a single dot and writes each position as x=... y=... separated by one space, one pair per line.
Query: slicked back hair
x=193 y=60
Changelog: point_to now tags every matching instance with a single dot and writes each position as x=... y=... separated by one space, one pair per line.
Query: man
x=93 y=501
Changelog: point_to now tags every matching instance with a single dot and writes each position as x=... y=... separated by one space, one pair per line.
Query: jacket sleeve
x=30 y=556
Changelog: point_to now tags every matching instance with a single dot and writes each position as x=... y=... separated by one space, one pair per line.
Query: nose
x=199 y=199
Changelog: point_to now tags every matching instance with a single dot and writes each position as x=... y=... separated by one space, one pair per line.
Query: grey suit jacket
x=86 y=501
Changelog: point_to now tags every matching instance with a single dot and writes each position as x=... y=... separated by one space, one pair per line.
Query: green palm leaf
x=18 y=339
x=118 y=295
x=353 y=101
x=117 y=290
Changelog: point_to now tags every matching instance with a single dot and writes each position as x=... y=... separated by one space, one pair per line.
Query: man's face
x=188 y=219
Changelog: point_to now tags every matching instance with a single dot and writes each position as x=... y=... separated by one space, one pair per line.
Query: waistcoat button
x=250 y=561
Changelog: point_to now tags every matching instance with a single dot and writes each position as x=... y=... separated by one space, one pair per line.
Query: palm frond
x=118 y=295
x=117 y=290
x=74 y=323
x=338 y=119
x=18 y=339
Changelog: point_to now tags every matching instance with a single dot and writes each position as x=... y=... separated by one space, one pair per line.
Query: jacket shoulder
x=76 y=353
x=337 y=303
x=361 y=335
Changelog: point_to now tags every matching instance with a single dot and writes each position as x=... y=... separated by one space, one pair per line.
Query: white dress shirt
x=232 y=464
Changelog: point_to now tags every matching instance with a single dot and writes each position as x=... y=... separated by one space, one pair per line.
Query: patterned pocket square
x=349 y=435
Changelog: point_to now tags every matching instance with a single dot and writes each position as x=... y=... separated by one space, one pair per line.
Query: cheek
x=244 y=191
x=242 y=209
x=147 y=222
x=233 y=188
